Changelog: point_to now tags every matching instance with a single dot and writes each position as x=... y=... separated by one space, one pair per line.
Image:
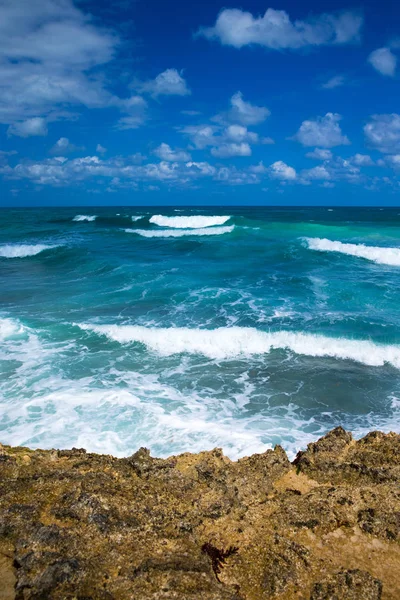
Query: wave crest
x=23 y=250
x=236 y=342
x=383 y=256
x=89 y=218
x=195 y=222
x=181 y=232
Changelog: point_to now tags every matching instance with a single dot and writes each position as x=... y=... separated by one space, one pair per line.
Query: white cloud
x=282 y=171
x=393 y=161
x=260 y=168
x=362 y=160
x=100 y=149
x=322 y=131
x=48 y=49
x=319 y=172
x=135 y=108
x=333 y=82
x=201 y=135
x=29 y=128
x=320 y=154
x=383 y=133
x=165 y=152
x=275 y=30
x=64 y=146
x=239 y=133
x=243 y=112
x=384 y=61
x=231 y=149
x=167 y=83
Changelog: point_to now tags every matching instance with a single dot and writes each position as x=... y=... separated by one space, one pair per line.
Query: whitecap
x=384 y=256
x=194 y=222
x=23 y=250
x=237 y=342
x=89 y=218
x=136 y=218
x=166 y=233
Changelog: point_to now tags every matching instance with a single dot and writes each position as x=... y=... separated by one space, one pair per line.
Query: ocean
x=184 y=329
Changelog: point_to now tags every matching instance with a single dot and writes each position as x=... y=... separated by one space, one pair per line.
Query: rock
x=81 y=526
x=348 y=585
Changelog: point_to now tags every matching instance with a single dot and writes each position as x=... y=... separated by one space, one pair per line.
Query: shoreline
x=200 y=526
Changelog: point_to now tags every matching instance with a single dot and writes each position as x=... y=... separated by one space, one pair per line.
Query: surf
x=383 y=256
x=193 y=222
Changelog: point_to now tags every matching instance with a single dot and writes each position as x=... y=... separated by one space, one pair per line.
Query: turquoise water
x=238 y=327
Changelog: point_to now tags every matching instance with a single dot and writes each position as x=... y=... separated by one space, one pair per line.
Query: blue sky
x=155 y=102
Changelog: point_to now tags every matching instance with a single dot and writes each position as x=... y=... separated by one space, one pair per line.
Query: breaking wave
x=194 y=222
x=85 y=218
x=383 y=256
x=23 y=250
x=236 y=342
x=181 y=232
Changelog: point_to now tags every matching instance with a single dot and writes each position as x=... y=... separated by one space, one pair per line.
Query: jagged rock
x=80 y=526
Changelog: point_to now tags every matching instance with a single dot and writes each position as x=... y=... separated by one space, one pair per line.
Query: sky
x=149 y=102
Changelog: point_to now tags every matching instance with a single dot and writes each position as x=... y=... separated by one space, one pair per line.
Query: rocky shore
x=83 y=526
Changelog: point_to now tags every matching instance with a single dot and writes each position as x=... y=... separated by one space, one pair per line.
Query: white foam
x=167 y=233
x=9 y=328
x=236 y=342
x=136 y=218
x=23 y=250
x=194 y=222
x=383 y=256
x=85 y=218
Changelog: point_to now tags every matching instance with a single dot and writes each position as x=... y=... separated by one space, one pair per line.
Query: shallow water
x=185 y=330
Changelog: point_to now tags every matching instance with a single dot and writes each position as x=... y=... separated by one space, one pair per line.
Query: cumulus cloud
x=275 y=30
x=383 y=61
x=243 y=112
x=362 y=160
x=282 y=171
x=165 y=152
x=122 y=172
x=317 y=173
x=231 y=149
x=100 y=149
x=64 y=146
x=167 y=83
x=322 y=131
x=29 y=128
x=48 y=50
x=333 y=82
x=233 y=140
x=383 y=133
x=320 y=154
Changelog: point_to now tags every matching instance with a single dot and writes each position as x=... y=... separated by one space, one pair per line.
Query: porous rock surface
x=80 y=526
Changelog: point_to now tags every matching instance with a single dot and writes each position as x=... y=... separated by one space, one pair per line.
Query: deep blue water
x=271 y=326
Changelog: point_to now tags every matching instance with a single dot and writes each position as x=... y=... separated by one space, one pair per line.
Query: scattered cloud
x=243 y=112
x=282 y=171
x=317 y=173
x=48 y=51
x=100 y=149
x=334 y=82
x=29 y=128
x=383 y=133
x=191 y=113
x=383 y=61
x=322 y=131
x=362 y=160
x=165 y=152
x=64 y=146
x=135 y=108
x=275 y=30
x=167 y=83
x=320 y=154
x=231 y=149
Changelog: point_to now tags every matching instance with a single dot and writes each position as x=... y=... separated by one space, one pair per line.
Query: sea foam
x=194 y=222
x=23 y=250
x=85 y=218
x=383 y=256
x=166 y=233
x=236 y=342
